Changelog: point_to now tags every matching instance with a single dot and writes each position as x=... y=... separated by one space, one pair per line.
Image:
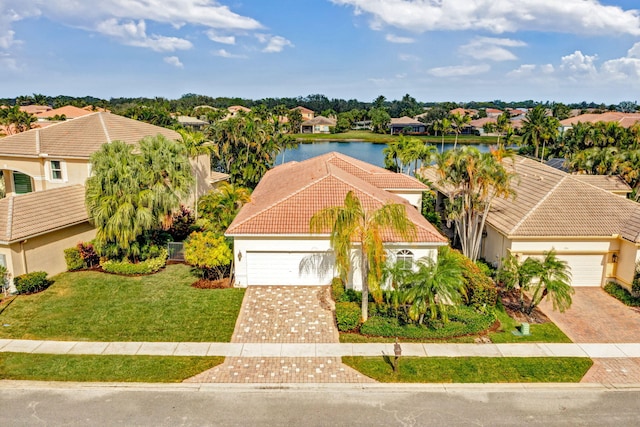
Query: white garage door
x=586 y=270
x=289 y=268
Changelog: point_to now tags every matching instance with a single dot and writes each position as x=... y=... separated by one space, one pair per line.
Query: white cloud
x=7 y=40
x=525 y=70
x=579 y=63
x=173 y=60
x=134 y=34
x=7 y=62
x=499 y=16
x=392 y=38
x=491 y=48
x=459 y=70
x=274 y=43
x=225 y=54
x=408 y=57
x=215 y=37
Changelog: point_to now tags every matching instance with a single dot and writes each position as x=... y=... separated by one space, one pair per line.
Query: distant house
x=464 y=112
x=68 y=111
x=192 y=122
x=406 y=125
x=493 y=112
x=272 y=244
x=307 y=114
x=625 y=120
x=35 y=109
x=477 y=125
x=584 y=220
x=318 y=124
x=234 y=110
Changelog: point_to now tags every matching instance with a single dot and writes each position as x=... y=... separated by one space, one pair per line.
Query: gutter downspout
x=23 y=253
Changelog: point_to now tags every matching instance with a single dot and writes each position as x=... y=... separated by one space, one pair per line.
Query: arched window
x=405 y=259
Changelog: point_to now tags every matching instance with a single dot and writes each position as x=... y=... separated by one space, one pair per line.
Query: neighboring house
x=192 y=123
x=464 y=111
x=35 y=229
x=234 y=110
x=625 y=120
x=596 y=231
x=493 y=112
x=68 y=111
x=307 y=114
x=318 y=124
x=271 y=237
x=477 y=126
x=35 y=109
x=406 y=125
x=362 y=125
x=58 y=155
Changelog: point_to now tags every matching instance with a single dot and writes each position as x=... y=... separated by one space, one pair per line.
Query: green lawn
x=473 y=369
x=359 y=135
x=54 y=367
x=95 y=306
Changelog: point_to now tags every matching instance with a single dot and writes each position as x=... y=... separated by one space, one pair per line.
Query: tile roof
x=289 y=195
x=623 y=119
x=320 y=120
x=32 y=214
x=550 y=202
x=613 y=183
x=398 y=121
x=69 y=111
x=81 y=137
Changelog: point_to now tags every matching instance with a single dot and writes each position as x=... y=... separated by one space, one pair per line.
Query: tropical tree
x=473 y=180
x=15 y=120
x=210 y=252
x=541 y=278
x=134 y=190
x=196 y=144
x=434 y=286
x=220 y=206
x=444 y=127
x=295 y=120
x=539 y=128
x=459 y=121
x=380 y=120
x=352 y=225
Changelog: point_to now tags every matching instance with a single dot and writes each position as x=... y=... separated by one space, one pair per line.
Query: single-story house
x=318 y=124
x=193 y=123
x=626 y=120
x=68 y=111
x=594 y=230
x=272 y=243
x=406 y=125
x=35 y=229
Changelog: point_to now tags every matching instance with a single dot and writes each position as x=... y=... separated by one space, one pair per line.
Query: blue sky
x=435 y=50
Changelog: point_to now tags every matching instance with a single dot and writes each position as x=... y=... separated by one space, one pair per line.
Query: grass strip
x=472 y=369
x=59 y=367
x=94 y=306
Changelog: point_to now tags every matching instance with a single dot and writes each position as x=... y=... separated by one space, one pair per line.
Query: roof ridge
x=279 y=201
x=38 y=151
x=574 y=177
x=10 y=218
x=358 y=187
x=537 y=205
x=104 y=127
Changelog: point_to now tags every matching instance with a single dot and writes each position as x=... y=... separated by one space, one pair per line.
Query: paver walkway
x=284 y=314
x=595 y=316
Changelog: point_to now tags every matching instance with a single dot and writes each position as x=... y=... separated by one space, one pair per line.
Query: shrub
x=88 y=254
x=31 y=282
x=635 y=285
x=337 y=289
x=73 y=258
x=482 y=292
x=182 y=224
x=620 y=293
x=209 y=252
x=347 y=316
x=126 y=268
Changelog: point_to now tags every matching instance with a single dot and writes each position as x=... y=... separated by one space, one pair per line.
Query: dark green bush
x=482 y=293
x=464 y=321
x=73 y=258
x=620 y=293
x=126 y=268
x=31 y=282
x=348 y=315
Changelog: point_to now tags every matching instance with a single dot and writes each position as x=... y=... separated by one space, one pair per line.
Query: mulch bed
x=511 y=303
x=213 y=284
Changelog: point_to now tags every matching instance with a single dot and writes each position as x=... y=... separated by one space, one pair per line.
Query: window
x=56 y=170
x=22 y=183
x=405 y=259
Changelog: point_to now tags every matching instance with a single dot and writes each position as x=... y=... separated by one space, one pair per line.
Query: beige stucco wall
x=46 y=252
x=494 y=246
x=627 y=258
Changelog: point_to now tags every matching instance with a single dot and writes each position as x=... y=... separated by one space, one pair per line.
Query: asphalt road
x=39 y=404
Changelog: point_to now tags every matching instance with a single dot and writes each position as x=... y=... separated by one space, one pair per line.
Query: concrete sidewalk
x=592 y=350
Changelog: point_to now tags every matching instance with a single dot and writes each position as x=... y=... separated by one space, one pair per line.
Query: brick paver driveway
x=284 y=314
x=595 y=316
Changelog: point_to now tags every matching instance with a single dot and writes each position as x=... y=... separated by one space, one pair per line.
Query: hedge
x=465 y=321
x=31 y=282
x=620 y=293
x=348 y=315
x=126 y=268
x=73 y=258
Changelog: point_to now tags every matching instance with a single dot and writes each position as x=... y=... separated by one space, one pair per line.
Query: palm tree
x=539 y=128
x=196 y=145
x=220 y=206
x=352 y=225
x=459 y=121
x=435 y=286
x=444 y=127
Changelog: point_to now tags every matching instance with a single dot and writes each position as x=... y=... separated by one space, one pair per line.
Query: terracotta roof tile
x=69 y=111
x=80 y=137
x=32 y=214
x=289 y=195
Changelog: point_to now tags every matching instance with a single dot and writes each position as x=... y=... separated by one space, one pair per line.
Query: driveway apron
x=284 y=314
x=594 y=317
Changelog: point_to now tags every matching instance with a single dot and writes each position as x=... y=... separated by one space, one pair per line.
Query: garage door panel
x=586 y=270
x=289 y=268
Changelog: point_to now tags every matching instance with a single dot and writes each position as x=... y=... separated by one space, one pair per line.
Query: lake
x=365 y=151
